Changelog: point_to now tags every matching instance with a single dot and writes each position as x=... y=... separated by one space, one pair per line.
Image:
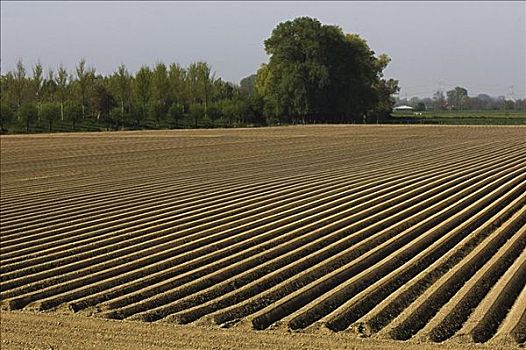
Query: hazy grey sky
x=478 y=45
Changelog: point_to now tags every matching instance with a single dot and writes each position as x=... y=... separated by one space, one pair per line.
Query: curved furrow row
x=391 y=232
x=162 y=253
x=94 y=207
x=294 y=161
x=457 y=311
x=170 y=172
x=424 y=312
x=6 y=262
x=315 y=202
x=338 y=234
x=485 y=320
x=513 y=328
x=414 y=149
x=310 y=303
x=161 y=177
x=31 y=215
x=345 y=315
x=341 y=238
x=166 y=176
x=380 y=307
x=318 y=197
x=382 y=223
x=207 y=204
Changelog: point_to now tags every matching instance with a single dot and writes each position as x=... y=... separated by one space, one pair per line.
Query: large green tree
x=62 y=82
x=19 y=85
x=103 y=101
x=317 y=72
x=160 y=92
x=84 y=82
x=200 y=80
x=122 y=83
x=177 y=77
x=141 y=87
x=38 y=86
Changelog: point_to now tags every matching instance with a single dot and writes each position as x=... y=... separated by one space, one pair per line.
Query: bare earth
x=307 y=237
x=22 y=330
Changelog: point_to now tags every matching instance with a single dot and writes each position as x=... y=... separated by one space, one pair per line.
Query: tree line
x=315 y=73
x=158 y=96
x=458 y=99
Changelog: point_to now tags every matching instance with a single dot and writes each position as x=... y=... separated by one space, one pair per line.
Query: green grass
x=461 y=117
x=427 y=117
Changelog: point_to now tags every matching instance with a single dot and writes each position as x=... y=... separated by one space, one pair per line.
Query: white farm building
x=403 y=108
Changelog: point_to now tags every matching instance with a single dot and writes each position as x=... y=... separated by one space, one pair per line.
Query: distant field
x=462 y=117
x=407 y=233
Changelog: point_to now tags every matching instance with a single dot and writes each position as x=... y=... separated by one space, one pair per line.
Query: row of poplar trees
x=315 y=73
x=157 y=96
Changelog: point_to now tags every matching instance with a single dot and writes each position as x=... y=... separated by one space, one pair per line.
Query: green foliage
x=221 y=90
x=247 y=85
x=103 y=101
x=115 y=118
x=457 y=97
x=121 y=86
x=7 y=115
x=19 y=84
x=38 y=83
x=197 y=113
x=50 y=113
x=254 y=112
x=176 y=113
x=141 y=87
x=214 y=112
x=231 y=110
x=178 y=88
x=28 y=115
x=318 y=73
x=160 y=89
x=72 y=113
x=156 y=112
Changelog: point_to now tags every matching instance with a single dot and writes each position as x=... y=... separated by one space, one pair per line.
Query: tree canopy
x=316 y=72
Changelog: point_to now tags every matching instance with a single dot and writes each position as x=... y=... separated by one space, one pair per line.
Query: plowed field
x=394 y=233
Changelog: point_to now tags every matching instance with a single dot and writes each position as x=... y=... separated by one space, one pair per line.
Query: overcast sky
x=477 y=45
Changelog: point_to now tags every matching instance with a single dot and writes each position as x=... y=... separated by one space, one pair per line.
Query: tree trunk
x=62 y=111
x=122 y=111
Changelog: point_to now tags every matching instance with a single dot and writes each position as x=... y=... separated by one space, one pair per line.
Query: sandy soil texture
x=55 y=331
x=299 y=236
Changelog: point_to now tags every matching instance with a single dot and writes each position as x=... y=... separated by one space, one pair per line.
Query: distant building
x=403 y=108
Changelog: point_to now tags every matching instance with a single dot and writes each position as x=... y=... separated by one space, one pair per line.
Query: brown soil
x=22 y=330
x=316 y=236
